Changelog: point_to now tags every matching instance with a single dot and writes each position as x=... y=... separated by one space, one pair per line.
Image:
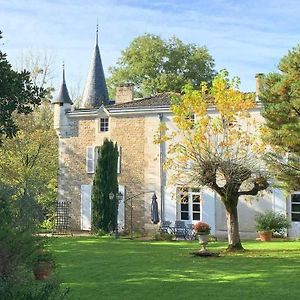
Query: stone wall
x=129 y=133
x=72 y=167
x=139 y=164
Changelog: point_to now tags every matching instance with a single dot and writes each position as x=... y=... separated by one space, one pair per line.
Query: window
x=295 y=207
x=104 y=124
x=91 y=159
x=190 y=204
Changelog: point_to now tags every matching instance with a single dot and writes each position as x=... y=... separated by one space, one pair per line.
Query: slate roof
x=95 y=93
x=159 y=100
x=63 y=94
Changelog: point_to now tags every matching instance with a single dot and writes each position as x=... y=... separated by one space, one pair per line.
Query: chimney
x=124 y=93
x=258 y=80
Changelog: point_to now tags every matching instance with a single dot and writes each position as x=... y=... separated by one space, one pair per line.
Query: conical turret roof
x=63 y=95
x=95 y=92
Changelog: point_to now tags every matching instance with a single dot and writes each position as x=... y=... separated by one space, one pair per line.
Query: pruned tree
x=218 y=150
x=280 y=94
x=105 y=182
x=155 y=65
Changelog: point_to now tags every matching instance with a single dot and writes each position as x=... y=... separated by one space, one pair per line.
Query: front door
x=86 y=206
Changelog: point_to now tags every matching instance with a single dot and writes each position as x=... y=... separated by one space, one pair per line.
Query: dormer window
x=104 y=124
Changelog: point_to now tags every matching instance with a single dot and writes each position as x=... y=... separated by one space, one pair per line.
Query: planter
x=265 y=236
x=203 y=241
x=42 y=269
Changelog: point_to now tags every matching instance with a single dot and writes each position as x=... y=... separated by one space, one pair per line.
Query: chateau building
x=132 y=124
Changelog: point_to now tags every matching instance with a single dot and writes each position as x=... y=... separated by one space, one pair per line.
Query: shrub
x=19 y=220
x=272 y=221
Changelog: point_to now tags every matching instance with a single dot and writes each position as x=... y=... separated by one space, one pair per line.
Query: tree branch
x=259 y=185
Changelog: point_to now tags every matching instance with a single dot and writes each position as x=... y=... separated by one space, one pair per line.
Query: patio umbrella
x=154 y=210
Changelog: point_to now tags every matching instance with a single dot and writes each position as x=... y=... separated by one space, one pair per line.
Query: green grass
x=103 y=268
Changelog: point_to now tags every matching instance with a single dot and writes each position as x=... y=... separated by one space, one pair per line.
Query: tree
x=29 y=161
x=155 y=65
x=18 y=95
x=218 y=150
x=280 y=95
x=19 y=211
x=105 y=182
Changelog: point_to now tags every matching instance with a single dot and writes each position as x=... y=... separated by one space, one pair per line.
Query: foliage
x=18 y=95
x=43 y=255
x=30 y=289
x=29 y=160
x=19 y=218
x=280 y=94
x=155 y=65
x=220 y=150
x=105 y=182
x=201 y=227
x=165 y=270
x=272 y=221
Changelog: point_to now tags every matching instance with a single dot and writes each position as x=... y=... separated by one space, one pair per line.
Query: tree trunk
x=234 y=241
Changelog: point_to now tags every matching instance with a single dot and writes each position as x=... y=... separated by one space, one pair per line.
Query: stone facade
x=129 y=133
x=132 y=125
x=139 y=164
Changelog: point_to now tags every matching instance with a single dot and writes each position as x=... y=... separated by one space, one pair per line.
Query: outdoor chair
x=190 y=232
x=180 y=230
x=165 y=227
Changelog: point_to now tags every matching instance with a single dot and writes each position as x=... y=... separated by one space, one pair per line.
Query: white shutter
x=96 y=156
x=121 y=209
x=90 y=159
x=119 y=160
x=86 y=207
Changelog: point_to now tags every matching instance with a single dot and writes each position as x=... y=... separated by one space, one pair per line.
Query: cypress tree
x=105 y=182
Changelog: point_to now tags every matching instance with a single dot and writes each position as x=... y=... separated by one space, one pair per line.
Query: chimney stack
x=258 y=80
x=124 y=93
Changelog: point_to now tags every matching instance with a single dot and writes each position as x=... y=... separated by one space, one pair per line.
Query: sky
x=245 y=37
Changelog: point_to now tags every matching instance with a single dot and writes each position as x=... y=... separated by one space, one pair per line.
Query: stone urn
x=42 y=270
x=203 y=241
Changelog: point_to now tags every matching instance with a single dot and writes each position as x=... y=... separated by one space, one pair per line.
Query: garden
x=104 y=268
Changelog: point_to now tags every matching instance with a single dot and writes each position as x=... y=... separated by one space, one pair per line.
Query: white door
x=86 y=206
x=121 y=210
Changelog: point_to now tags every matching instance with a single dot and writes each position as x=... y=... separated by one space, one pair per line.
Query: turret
x=61 y=104
x=95 y=93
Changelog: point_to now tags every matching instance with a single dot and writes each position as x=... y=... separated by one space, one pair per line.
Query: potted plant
x=43 y=264
x=269 y=223
x=202 y=230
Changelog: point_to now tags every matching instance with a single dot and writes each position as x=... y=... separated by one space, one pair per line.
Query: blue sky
x=245 y=37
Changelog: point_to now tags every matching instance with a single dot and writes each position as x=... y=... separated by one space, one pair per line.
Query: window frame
x=189 y=193
x=104 y=124
x=295 y=203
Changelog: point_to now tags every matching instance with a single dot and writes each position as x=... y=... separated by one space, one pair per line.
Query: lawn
x=103 y=268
